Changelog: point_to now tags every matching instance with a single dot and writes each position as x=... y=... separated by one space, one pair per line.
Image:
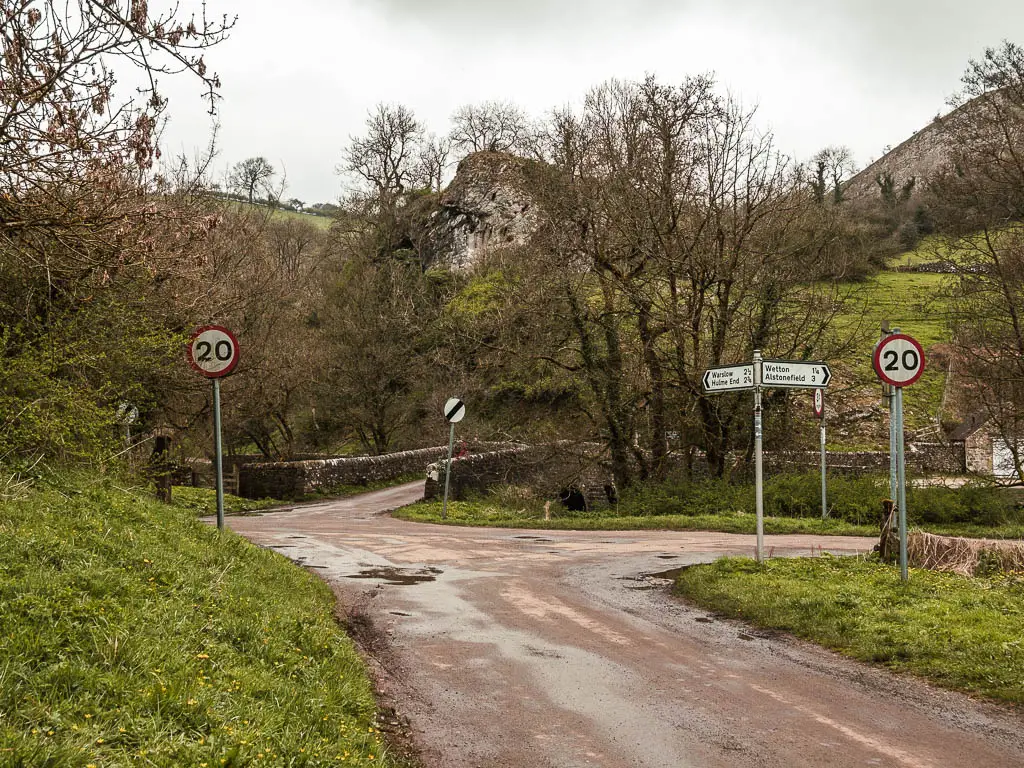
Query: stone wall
x=922 y=458
x=978 y=449
x=549 y=469
x=294 y=479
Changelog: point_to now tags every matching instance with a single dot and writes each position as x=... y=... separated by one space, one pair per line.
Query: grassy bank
x=960 y=633
x=792 y=504
x=132 y=634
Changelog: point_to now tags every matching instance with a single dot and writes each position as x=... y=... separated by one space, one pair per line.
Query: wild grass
x=961 y=633
x=133 y=634
x=485 y=514
x=912 y=302
x=792 y=504
x=203 y=501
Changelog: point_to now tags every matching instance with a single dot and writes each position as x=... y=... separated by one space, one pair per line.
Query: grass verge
x=203 y=501
x=132 y=634
x=960 y=633
x=482 y=513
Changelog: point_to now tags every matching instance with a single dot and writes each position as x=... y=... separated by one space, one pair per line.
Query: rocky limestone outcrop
x=491 y=202
x=920 y=157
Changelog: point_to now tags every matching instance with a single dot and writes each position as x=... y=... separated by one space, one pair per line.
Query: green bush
x=703 y=497
x=855 y=500
x=977 y=504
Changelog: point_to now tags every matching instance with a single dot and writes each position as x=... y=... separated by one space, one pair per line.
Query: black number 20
x=910 y=360
x=222 y=351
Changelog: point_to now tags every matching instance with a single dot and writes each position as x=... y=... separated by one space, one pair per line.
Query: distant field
x=914 y=302
x=320 y=222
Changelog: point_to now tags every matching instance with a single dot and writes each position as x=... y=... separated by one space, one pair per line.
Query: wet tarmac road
x=557 y=649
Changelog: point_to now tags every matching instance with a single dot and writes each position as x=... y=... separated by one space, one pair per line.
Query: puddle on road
x=668 y=557
x=669 y=575
x=402 y=577
x=539 y=539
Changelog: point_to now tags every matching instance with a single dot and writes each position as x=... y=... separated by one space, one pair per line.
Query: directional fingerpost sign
x=213 y=351
x=899 y=360
x=776 y=374
x=729 y=378
x=793 y=374
x=454 y=410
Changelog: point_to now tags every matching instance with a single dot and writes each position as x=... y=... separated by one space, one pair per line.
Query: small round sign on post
x=899 y=360
x=127 y=413
x=454 y=410
x=213 y=351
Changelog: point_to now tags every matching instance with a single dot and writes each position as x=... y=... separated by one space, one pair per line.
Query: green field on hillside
x=133 y=634
x=320 y=222
x=916 y=304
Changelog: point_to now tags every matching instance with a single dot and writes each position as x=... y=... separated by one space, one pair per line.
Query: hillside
x=134 y=634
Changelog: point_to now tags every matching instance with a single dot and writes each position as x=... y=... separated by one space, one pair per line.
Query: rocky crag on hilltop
x=491 y=202
x=922 y=156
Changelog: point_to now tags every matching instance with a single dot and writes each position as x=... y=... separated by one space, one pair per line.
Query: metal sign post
x=819 y=411
x=890 y=397
x=454 y=411
x=127 y=414
x=758 y=458
x=901 y=484
x=755 y=376
x=213 y=352
x=218 y=457
x=899 y=362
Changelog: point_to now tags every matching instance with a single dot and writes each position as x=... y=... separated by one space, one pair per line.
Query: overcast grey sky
x=299 y=77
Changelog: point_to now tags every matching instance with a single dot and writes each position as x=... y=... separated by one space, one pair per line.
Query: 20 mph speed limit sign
x=213 y=351
x=899 y=360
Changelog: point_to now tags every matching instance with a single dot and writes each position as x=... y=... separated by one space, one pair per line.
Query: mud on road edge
x=384 y=670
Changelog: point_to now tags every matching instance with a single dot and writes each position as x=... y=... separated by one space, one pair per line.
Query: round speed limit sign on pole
x=899 y=360
x=213 y=351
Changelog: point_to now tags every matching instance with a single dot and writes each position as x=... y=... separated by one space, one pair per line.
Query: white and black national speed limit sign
x=454 y=410
x=213 y=351
x=899 y=360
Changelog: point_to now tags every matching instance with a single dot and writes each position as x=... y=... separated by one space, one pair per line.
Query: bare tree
x=830 y=167
x=978 y=203
x=434 y=161
x=384 y=159
x=253 y=175
x=495 y=126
